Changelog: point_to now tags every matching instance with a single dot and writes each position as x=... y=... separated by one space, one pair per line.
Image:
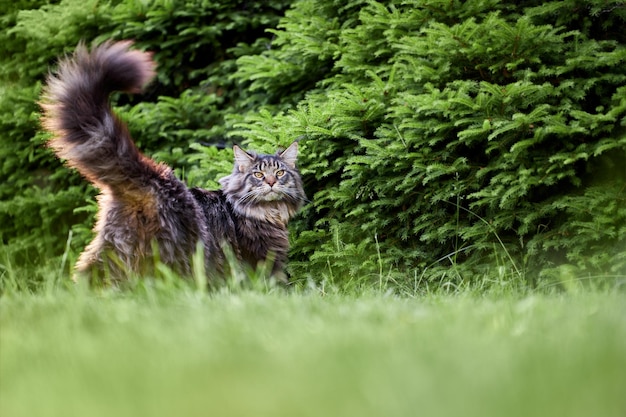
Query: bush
x=441 y=141
x=37 y=196
x=445 y=139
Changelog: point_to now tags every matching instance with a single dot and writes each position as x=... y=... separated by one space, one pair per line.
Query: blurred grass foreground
x=187 y=353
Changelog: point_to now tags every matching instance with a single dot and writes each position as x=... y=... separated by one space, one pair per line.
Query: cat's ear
x=242 y=158
x=290 y=155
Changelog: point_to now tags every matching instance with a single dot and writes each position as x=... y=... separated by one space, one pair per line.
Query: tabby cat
x=145 y=212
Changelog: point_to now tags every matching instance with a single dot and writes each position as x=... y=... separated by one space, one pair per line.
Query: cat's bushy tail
x=77 y=111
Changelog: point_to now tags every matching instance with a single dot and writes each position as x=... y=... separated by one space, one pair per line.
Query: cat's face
x=269 y=181
x=265 y=182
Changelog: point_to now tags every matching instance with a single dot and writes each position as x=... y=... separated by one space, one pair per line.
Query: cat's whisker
x=250 y=196
x=295 y=197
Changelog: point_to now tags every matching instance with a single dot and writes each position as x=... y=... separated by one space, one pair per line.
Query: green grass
x=178 y=352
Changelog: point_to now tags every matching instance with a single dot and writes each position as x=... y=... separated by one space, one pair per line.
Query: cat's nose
x=271 y=180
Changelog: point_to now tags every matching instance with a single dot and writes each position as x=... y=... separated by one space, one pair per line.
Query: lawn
x=178 y=352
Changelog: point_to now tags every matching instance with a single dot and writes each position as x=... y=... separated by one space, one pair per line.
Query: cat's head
x=265 y=187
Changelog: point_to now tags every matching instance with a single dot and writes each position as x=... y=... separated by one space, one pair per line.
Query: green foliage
x=37 y=196
x=440 y=141
x=457 y=137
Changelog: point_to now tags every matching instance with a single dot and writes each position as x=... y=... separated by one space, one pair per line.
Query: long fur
x=145 y=213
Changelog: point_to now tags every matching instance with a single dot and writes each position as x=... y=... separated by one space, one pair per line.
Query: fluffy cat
x=145 y=212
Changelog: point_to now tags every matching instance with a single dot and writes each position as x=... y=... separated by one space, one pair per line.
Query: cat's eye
x=280 y=172
x=258 y=175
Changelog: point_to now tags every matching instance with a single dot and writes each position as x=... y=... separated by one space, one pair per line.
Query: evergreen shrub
x=440 y=141
x=448 y=140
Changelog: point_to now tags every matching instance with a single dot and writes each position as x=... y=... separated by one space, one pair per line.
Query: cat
x=146 y=214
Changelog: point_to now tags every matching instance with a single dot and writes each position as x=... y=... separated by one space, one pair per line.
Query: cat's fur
x=145 y=212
